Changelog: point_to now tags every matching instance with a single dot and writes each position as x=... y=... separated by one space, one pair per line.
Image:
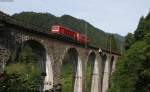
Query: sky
x=113 y=16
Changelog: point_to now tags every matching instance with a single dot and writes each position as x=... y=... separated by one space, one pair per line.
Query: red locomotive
x=66 y=32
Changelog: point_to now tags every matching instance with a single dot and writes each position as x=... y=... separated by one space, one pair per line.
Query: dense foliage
x=66 y=76
x=133 y=69
x=98 y=38
x=23 y=74
x=129 y=40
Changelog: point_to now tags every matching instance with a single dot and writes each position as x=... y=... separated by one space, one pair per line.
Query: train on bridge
x=82 y=39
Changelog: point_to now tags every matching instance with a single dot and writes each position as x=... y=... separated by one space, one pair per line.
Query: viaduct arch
x=53 y=53
x=43 y=61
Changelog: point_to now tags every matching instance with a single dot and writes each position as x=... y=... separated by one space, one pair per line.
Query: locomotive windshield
x=55 y=28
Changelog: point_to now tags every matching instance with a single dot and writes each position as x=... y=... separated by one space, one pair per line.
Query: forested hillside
x=97 y=37
x=133 y=69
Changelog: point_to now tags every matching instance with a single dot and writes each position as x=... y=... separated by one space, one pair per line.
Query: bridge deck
x=6 y=19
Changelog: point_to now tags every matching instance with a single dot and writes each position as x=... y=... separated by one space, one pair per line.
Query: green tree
x=148 y=16
x=133 y=69
x=129 y=40
x=23 y=74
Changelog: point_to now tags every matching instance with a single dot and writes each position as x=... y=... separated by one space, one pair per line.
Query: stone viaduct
x=51 y=53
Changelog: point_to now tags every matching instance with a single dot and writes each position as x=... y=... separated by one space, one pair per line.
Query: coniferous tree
x=133 y=69
x=129 y=40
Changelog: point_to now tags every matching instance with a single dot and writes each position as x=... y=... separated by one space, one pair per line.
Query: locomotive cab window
x=55 y=28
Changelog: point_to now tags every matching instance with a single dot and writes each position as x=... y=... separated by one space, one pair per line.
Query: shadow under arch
x=69 y=70
x=90 y=71
x=111 y=65
x=7 y=39
x=40 y=53
x=104 y=57
x=37 y=56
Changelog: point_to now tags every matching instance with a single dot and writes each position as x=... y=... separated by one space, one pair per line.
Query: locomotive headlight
x=55 y=30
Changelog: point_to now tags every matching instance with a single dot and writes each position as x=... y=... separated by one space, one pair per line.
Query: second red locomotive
x=67 y=32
